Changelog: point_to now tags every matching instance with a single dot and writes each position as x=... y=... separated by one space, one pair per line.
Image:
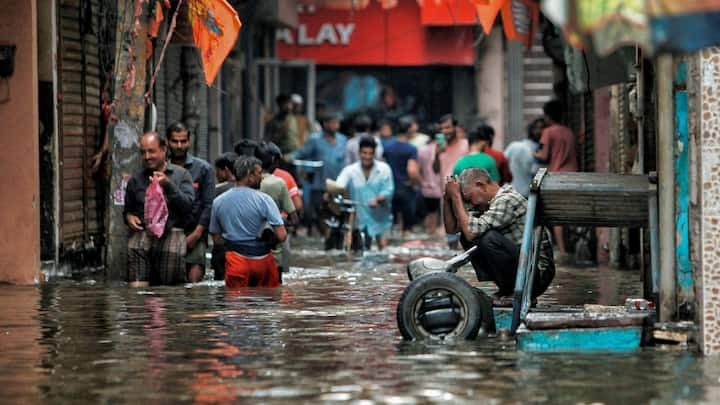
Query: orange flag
x=215 y=26
x=487 y=12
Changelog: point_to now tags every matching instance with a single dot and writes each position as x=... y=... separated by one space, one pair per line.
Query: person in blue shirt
x=370 y=182
x=523 y=164
x=386 y=131
x=329 y=147
x=238 y=220
x=403 y=160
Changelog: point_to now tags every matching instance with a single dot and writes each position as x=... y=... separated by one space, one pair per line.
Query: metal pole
x=310 y=104
x=654 y=244
x=666 y=186
x=525 y=263
x=640 y=93
x=640 y=109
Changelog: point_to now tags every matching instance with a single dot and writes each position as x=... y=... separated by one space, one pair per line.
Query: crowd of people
x=262 y=191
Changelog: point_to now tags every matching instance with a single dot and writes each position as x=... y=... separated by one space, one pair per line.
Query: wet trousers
x=404 y=206
x=218 y=262
x=159 y=261
x=496 y=260
x=242 y=271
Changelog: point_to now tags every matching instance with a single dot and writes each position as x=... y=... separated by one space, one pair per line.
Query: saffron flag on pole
x=215 y=25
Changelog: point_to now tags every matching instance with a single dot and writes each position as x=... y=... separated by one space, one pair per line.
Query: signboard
x=374 y=36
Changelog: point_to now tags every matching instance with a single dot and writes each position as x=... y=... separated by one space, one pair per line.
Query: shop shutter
x=79 y=117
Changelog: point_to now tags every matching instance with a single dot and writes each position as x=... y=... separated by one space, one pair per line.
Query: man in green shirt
x=477 y=158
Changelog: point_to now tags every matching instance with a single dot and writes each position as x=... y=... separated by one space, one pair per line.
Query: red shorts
x=241 y=271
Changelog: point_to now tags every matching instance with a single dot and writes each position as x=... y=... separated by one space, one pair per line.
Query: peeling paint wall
x=705 y=210
x=686 y=307
x=695 y=167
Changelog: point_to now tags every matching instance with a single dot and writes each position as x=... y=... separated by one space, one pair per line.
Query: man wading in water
x=238 y=216
x=151 y=259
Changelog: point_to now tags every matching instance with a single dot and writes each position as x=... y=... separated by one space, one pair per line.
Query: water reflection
x=329 y=335
x=20 y=349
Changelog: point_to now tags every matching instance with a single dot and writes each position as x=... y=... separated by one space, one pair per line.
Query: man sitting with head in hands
x=493 y=221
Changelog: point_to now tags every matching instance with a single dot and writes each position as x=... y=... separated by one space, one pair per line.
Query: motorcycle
x=342 y=234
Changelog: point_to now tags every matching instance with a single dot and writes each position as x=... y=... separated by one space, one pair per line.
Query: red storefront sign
x=374 y=36
x=448 y=12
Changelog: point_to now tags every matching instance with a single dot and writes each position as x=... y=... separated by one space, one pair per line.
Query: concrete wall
x=490 y=84
x=19 y=187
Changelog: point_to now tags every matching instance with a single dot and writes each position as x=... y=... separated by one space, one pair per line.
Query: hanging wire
x=168 y=37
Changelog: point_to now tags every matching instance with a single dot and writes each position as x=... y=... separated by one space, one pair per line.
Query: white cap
x=296 y=99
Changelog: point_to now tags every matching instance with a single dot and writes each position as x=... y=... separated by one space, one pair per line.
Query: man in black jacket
x=152 y=259
x=203 y=184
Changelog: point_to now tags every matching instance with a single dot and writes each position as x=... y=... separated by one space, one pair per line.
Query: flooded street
x=329 y=335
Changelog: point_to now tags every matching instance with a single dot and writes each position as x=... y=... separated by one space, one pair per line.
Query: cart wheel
x=439 y=306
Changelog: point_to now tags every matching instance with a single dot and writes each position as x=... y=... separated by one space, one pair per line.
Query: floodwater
x=329 y=335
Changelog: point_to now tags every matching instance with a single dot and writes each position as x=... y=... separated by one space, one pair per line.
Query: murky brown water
x=329 y=335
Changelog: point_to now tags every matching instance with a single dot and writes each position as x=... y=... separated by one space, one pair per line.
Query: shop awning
x=655 y=25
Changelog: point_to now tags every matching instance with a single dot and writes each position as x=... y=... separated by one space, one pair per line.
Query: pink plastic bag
x=156 y=210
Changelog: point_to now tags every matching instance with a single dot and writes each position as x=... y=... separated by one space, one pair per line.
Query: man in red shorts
x=237 y=220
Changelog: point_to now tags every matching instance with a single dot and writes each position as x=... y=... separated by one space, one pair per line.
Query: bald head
x=153 y=149
x=152 y=136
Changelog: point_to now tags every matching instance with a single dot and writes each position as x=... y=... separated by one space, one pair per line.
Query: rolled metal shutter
x=79 y=114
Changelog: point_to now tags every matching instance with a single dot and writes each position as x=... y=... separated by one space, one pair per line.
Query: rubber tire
x=465 y=301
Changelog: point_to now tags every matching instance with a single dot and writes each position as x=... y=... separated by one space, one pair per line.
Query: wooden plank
x=671 y=336
x=549 y=320
x=678 y=332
